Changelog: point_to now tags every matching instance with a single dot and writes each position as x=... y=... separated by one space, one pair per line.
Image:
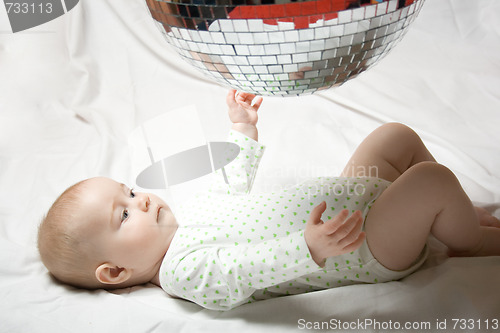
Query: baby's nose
x=144 y=202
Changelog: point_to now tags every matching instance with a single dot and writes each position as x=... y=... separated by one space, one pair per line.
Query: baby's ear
x=109 y=274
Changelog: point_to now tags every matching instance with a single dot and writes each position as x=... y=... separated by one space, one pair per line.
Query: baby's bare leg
x=485 y=218
x=426 y=199
x=387 y=152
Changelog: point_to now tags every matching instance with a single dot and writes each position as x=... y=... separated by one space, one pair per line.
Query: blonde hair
x=63 y=250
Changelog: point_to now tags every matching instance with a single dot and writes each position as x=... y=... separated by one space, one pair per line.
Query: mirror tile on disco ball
x=283 y=47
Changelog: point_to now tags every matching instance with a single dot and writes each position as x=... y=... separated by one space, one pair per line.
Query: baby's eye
x=132 y=194
x=124 y=215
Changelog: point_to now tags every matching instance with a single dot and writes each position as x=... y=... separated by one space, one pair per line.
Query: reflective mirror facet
x=282 y=47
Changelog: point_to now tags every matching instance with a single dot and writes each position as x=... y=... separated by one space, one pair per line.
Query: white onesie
x=234 y=247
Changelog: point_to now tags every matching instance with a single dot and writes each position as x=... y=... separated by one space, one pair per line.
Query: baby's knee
x=435 y=174
x=399 y=131
x=400 y=135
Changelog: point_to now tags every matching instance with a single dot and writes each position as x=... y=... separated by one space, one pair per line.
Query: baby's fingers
x=340 y=228
x=244 y=97
x=315 y=217
x=331 y=226
x=355 y=244
x=352 y=232
x=249 y=99
x=231 y=98
x=356 y=217
x=257 y=101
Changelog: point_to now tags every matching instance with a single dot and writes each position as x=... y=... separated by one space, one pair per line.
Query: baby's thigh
x=401 y=218
x=385 y=153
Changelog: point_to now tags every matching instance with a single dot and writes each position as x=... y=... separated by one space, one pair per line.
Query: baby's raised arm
x=243 y=109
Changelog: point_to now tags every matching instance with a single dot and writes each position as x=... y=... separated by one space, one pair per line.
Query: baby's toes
x=486 y=219
x=489 y=221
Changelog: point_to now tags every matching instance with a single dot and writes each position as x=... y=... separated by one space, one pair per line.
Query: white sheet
x=73 y=89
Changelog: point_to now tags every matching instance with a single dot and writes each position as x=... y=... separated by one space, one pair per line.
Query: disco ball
x=283 y=47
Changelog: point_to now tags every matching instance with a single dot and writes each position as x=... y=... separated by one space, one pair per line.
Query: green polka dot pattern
x=235 y=247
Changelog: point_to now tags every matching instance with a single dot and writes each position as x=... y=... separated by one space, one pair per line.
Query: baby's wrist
x=246 y=129
x=318 y=260
x=314 y=255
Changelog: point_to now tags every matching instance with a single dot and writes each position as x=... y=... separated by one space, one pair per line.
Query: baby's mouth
x=158 y=213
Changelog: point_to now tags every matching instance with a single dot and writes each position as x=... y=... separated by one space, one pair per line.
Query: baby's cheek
x=137 y=237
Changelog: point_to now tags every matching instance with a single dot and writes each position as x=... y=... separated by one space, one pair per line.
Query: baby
x=228 y=246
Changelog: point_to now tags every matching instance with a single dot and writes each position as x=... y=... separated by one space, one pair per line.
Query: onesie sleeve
x=221 y=278
x=237 y=177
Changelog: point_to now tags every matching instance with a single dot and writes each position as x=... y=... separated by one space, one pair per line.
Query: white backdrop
x=72 y=90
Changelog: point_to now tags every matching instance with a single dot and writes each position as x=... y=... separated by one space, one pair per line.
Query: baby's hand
x=241 y=109
x=334 y=237
x=243 y=113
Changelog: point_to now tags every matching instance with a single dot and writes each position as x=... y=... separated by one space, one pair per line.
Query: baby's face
x=128 y=229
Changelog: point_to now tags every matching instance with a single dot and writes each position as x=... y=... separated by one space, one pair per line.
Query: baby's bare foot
x=486 y=219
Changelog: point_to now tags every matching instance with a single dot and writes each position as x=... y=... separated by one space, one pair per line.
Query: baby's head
x=101 y=234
